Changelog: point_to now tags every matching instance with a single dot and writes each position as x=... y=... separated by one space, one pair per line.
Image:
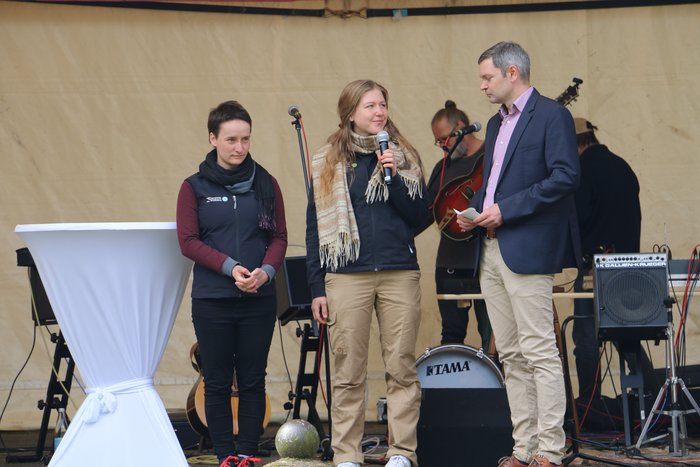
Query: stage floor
x=657 y=454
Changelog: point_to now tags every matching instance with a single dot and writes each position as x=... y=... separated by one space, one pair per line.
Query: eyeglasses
x=442 y=142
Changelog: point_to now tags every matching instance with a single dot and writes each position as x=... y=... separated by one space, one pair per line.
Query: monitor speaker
x=630 y=294
x=44 y=313
x=293 y=293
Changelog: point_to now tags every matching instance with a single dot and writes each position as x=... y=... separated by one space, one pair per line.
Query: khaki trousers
x=395 y=298
x=520 y=310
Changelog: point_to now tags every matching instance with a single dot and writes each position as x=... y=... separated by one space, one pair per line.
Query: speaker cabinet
x=186 y=436
x=293 y=293
x=463 y=426
x=630 y=290
x=44 y=312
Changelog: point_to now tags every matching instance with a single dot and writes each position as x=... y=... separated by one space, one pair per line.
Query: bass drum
x=457 y=366
x=464 y=411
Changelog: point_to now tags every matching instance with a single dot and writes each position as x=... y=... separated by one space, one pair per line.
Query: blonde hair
x=340 y=141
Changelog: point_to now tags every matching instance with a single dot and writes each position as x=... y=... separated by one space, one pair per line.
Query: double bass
x=458 y=192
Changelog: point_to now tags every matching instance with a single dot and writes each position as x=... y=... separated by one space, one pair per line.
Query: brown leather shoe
x=511 y=461
x=541 y=461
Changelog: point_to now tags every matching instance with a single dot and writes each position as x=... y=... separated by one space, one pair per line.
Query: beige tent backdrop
x=103 y=114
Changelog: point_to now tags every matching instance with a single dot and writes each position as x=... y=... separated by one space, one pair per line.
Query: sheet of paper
x=469 y=213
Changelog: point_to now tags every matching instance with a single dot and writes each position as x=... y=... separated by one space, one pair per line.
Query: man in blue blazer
x=528 y=233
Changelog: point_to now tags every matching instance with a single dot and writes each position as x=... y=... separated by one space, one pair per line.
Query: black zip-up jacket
x=386 y=229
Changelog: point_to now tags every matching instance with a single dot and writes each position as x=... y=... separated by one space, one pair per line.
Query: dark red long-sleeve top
x=193 y=247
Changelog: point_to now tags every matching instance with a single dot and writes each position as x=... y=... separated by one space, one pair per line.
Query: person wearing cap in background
x=609 y=217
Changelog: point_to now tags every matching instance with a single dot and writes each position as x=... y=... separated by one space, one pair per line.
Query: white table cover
x=115 y=289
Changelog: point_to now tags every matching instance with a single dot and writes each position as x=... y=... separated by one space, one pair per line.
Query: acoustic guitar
x=458 y=193
x=195 y=400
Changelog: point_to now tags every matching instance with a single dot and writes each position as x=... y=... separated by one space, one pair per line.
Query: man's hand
x=319 y=307
x=491 y=218
x=466 y=224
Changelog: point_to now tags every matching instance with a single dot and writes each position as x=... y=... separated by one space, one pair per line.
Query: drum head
x=457 y=366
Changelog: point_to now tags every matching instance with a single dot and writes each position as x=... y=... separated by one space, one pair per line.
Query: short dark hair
x=224 y=112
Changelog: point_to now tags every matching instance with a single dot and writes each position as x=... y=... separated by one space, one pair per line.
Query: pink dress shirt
x=508 y=122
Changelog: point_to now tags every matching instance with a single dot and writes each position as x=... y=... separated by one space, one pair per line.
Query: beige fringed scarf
x=339 y=239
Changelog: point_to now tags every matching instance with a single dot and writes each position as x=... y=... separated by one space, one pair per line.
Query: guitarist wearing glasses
x=453 y=181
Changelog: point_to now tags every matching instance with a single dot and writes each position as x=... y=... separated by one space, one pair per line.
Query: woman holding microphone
x=368 y=199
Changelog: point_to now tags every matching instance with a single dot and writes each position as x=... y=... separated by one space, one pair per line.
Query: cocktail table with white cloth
x=115 y=289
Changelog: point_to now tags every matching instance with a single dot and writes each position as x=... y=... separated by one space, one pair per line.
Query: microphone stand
x=322 y=337
x=297 y=127
x=450 y=151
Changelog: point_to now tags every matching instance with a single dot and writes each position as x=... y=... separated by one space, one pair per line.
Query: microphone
x=383 y=140
x=293 y=111
x=474 y=127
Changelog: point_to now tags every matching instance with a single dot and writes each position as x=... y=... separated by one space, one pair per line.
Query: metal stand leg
x=55 y=397
x=306 y=388
x=678 y=426
x=631 y=351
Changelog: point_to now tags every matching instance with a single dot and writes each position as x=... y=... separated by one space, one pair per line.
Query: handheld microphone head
x=293 y=111
x=383 y=139
x=474 y=127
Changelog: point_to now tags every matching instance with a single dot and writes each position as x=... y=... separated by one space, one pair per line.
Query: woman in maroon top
x=230 y=222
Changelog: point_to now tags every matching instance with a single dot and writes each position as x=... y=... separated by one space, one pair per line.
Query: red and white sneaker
x=240 y=461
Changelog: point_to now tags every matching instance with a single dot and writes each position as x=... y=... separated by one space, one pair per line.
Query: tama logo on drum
x=447 y=368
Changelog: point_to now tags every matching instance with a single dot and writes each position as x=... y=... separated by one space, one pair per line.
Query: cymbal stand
x=678 y=427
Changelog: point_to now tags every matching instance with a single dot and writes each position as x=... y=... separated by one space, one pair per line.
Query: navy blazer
x=535 y=190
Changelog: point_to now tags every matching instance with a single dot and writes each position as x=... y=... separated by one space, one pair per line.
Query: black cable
x=286 y=366
x=595 y=444
x=608 y=360
x=12 y=387
x=570 y=284
x=662 y=248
